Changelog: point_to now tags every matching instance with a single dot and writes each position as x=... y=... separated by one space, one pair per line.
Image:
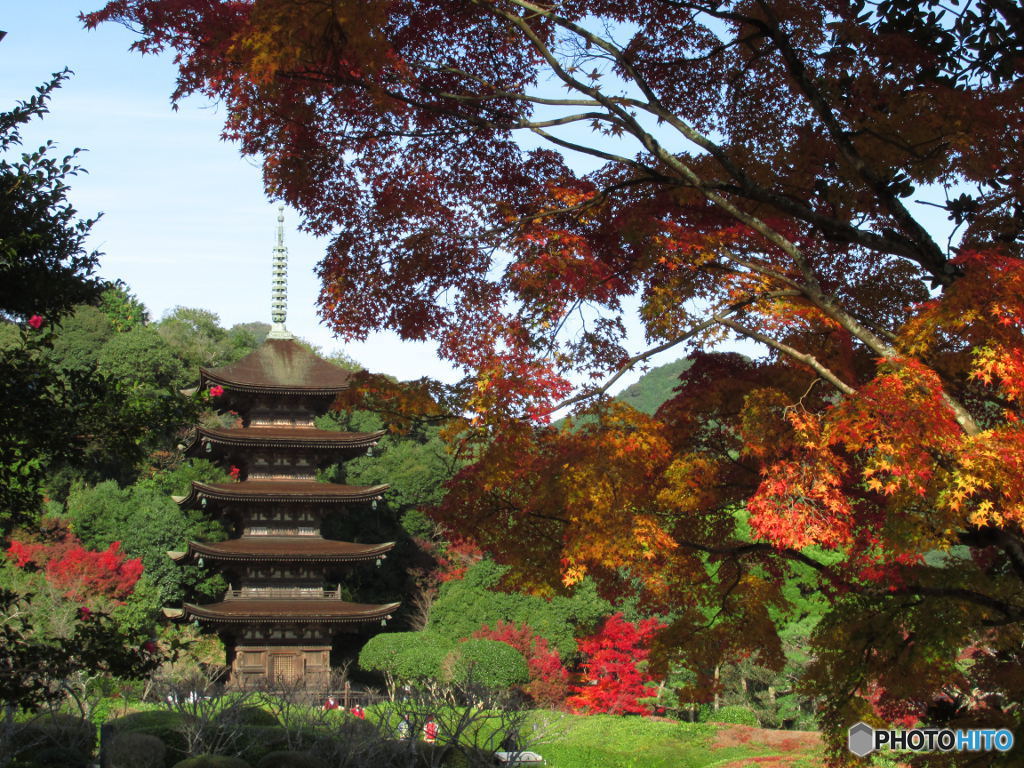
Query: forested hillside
x=655 y=387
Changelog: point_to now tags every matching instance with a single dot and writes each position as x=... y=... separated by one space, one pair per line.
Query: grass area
x=634 y=742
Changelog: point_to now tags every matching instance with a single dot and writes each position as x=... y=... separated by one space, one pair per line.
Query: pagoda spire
x=279 y=284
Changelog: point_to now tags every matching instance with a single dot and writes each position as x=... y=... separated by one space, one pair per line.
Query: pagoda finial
x=279 y=284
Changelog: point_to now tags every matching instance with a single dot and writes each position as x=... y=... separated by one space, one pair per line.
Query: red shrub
x=80 y=573
x=614 y=674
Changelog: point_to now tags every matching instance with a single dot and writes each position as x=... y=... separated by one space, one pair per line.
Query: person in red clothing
x=357 y=710
x=331 y=703
x=430 y=731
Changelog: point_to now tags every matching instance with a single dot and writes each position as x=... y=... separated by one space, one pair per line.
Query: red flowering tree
x=549 y=679
x=615 y=674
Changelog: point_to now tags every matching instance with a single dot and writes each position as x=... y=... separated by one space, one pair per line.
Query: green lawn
x=633 y=742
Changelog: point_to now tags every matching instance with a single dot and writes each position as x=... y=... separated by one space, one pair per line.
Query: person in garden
x=430 y=731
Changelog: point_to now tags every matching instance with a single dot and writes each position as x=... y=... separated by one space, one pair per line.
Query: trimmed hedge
x=406 y=655
x=135 y=750
x=249 y=715
x=160 y=723
x=487 y=662
x=259 y=740
x=60 y=741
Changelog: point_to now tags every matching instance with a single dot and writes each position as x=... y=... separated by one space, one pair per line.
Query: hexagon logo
x=860 y=739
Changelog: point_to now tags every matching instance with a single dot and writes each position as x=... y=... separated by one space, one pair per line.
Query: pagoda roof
x=281 y=490
x=284 y=548
x=282 y=437
x=279 y=366
x=309 y=611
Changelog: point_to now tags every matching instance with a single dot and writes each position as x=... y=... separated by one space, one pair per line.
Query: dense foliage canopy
x=513 y=178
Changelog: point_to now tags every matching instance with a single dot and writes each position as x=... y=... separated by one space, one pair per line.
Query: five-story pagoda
x=279 y=616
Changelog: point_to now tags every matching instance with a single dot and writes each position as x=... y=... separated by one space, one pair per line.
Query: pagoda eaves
x=279 y=437
x=284 y=612
x=284 y=549
x=280 y=491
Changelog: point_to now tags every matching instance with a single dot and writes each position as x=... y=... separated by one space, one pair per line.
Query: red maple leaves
x=82 y=575
x=615 y=678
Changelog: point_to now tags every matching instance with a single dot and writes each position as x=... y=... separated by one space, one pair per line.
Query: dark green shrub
x=162 y=724
x=248 y=716
x=61 y=741
x=352 y=742
x=260 y=740
x=290 y=760
x=736 y=714
x=487 y=662
x=212 y=761
x=55 y=757
x=135 y=750
x=356 y=729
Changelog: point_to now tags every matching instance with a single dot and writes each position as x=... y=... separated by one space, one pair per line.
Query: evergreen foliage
x=199 y=340
x=490 y=663
x=82 y=335
x=406 y=655
x=44 y=266
x=44 y=271
x=290 y=760
x=465 y=605
x=136 y=750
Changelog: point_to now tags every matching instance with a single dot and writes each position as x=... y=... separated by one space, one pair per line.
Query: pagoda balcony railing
x=282 y=593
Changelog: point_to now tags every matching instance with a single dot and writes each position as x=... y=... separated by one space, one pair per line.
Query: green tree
x=406 y=655
x=243 y=338
x=654 y=387
x=142 y=358
x=80 y=337
x=195 y=335
x=122 y=307
x=467 y=604
x=148 y=523
x=45 y=270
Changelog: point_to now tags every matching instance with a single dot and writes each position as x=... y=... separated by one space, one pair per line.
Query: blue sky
x=185 y=220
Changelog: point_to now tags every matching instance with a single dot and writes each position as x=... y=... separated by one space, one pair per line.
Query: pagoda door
x=285 y=667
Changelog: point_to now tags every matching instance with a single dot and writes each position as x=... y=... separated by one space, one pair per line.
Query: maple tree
x=615 y=678
x=519 y=180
